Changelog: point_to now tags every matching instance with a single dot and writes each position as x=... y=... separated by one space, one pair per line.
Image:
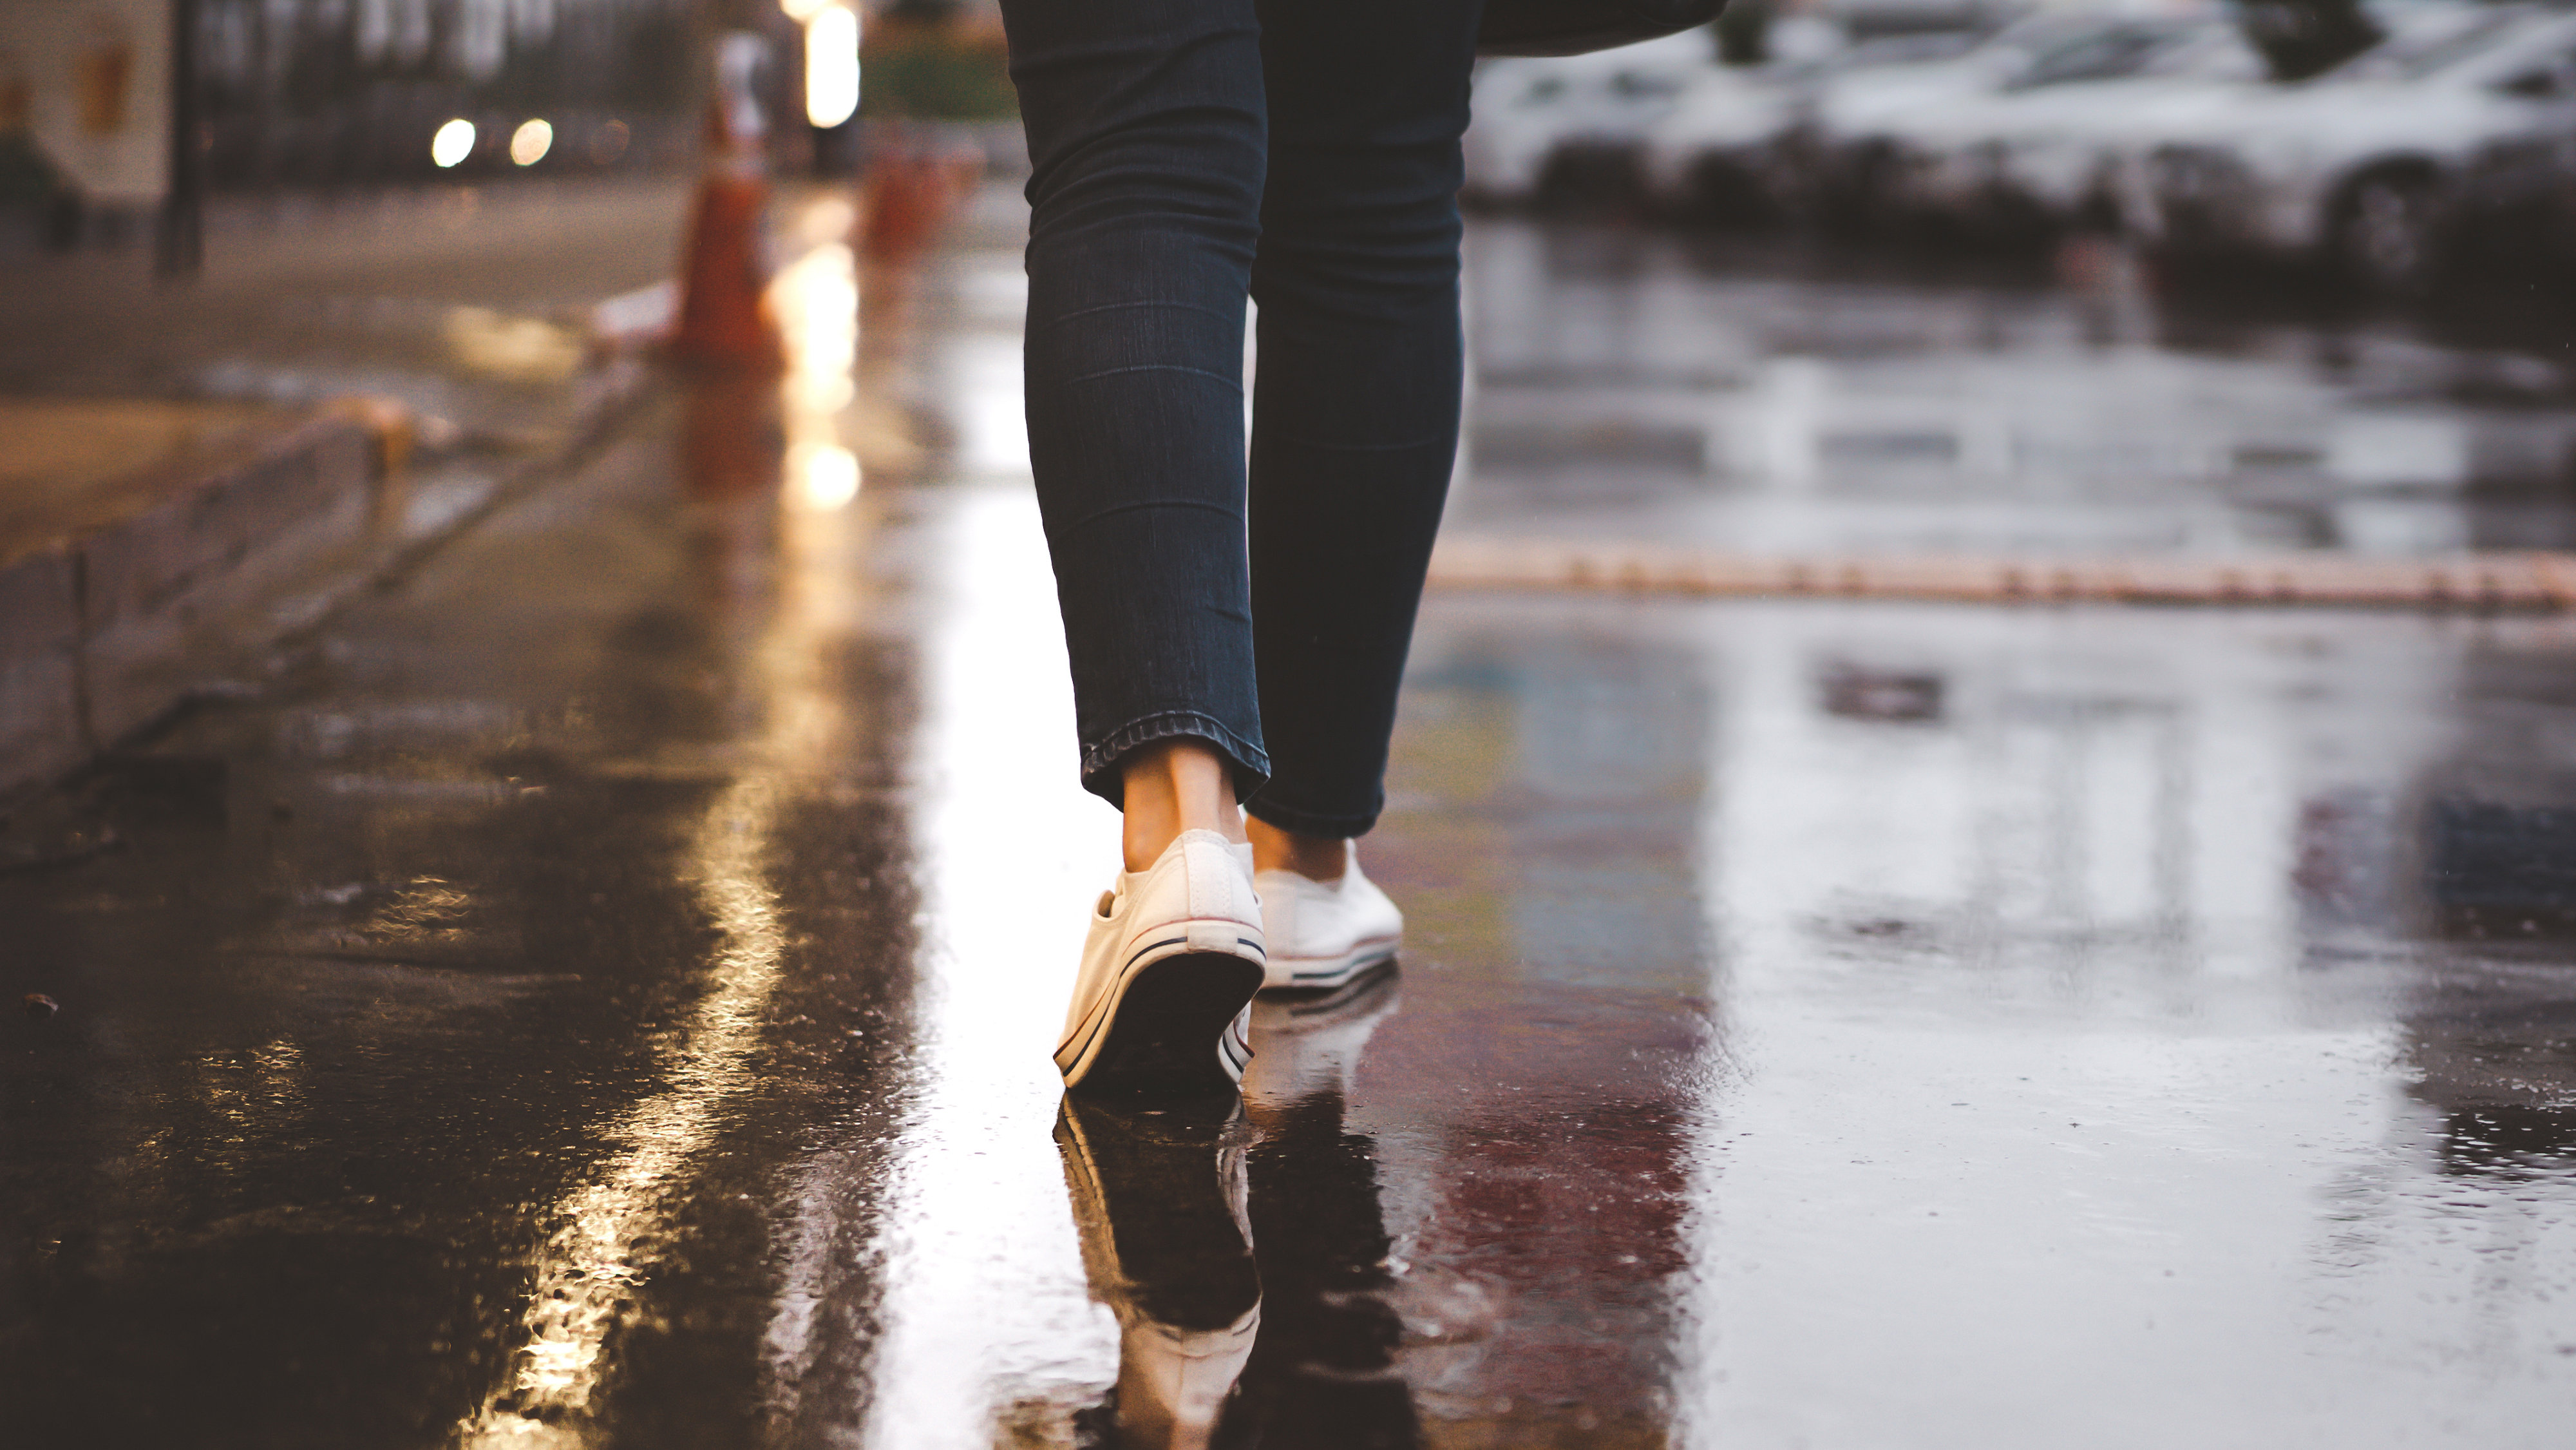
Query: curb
x=94 y=630
x=105 y=634
x=2535 y=581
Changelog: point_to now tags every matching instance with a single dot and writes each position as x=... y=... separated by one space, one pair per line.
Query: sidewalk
x=195 y=469
x=305 y=297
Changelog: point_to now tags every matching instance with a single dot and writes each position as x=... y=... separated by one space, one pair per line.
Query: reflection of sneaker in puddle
x=1305 y=1045
x=1321 y=934
x=1159 y=1199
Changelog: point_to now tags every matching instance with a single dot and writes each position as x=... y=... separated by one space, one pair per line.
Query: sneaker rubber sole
x=1296 y=1011
x=1323 y=974
x=1167 y=1024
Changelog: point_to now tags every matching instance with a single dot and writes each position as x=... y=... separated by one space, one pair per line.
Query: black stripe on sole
x=1163 y=1038
x=1372 y=982
x=1325 y=979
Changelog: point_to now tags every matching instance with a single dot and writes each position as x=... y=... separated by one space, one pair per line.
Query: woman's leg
x=1355 y=418
x=1172 y=786
x=1145 y=123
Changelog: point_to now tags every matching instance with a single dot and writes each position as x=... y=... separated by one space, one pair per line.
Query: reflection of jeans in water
x=1323 y=1371
x=1187 y=152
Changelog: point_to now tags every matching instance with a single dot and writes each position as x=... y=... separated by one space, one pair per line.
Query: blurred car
x=2043 y=151
x=1547 y=125
x=2364 y=167
x=1847 y=142
x=1717 y=151
x=1720 y=150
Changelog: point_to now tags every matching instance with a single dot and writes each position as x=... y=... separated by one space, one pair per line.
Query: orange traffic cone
x=724 y=320
x=912 y=189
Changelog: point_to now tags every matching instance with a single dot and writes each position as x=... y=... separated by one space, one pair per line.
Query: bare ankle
x=1317 y=858
x=1174 y=786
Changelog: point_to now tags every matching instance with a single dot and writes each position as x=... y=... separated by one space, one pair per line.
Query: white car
x=2043 y=151
x=1718 y=149
x=1845 y=141
x=1540 y=121
x=1721 y=148
x=2360 y=167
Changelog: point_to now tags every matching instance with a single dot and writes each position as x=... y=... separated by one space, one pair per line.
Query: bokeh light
x=822 y=476
x=530 y=143
x=816 y=301
x=831 y=66
x=453 y=143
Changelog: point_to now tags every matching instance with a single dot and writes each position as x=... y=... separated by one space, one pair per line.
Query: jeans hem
x=1249 y=763
x=1312 y=823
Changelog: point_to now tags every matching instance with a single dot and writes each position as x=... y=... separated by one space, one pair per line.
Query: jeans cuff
x=1312 y=823
x=1250 y=764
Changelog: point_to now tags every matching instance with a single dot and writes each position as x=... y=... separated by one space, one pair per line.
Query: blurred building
x=328 y=91
x=84 y=104
x=321 y=93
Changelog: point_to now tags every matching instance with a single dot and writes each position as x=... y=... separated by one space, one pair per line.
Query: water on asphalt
x=1768 y=395
x=601 y=995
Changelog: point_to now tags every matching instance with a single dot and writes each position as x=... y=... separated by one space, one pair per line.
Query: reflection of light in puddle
x=590 y=1268
x=528 y=349
x=588 y=1272
x=817 y=303
x=986 y=1312
x=821 y=476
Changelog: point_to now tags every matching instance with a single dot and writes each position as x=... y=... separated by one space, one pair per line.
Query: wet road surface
x=602 y=995
x=1772 y=395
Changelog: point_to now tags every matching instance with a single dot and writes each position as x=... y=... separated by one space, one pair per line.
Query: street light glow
x=530 y=143
x=453 y=143
x=831 y=66
x=822 y=476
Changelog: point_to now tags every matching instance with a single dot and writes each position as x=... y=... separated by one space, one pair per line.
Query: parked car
x=2366 y=167
x=2043 y=151
x=1717 y=151
x=1574 y=123
x=1847 y=140
x=1720 y=150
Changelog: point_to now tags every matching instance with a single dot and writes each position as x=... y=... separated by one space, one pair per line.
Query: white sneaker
x=1164 y=1000
x=1323 y=933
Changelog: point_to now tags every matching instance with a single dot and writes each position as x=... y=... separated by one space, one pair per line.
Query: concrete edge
x=102 y=636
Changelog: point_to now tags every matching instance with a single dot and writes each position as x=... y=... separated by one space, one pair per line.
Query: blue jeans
x=1189 y=153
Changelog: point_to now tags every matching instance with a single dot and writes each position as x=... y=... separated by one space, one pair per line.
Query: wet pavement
x=602 y=994
x=471 y=306
x=1788 y=395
